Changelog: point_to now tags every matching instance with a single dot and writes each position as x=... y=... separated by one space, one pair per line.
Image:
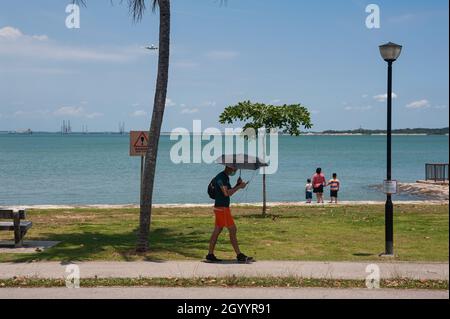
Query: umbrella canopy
x=241 y=161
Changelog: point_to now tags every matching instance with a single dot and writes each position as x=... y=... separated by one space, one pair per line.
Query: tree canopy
x=287 y=118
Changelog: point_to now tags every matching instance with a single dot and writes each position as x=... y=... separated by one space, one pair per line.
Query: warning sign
x=390 y=187
x=138 y=143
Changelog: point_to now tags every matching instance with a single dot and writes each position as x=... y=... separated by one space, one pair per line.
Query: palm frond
x=136 y=7
x=79 y=2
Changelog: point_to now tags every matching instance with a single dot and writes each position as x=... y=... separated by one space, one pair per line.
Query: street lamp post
x=390 y=53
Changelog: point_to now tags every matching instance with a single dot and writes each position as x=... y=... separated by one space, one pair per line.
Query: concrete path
x=217 y=293
x=190 y=269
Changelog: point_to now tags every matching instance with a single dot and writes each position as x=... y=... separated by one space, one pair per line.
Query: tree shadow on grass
x=89 y=246
x=260 y=216
x=364 y=254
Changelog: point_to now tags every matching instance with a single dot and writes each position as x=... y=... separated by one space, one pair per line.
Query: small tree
x=287 y=118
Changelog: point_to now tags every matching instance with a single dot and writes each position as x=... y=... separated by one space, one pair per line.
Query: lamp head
x=390 y=51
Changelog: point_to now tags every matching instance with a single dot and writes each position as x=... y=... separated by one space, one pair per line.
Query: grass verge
x=228 y=282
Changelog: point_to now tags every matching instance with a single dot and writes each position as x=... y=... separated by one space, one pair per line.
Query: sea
x=86 y=169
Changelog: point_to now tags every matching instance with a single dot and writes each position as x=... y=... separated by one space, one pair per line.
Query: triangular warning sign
x=141 y=141
x=138 y=143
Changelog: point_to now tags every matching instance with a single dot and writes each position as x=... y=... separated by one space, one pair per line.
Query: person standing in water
x=319 y=182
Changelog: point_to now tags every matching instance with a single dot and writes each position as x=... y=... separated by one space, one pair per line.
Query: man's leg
x=214 y=237
x=233 y=238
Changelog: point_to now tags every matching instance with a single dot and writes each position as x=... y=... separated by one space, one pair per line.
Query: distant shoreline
x=169 y=133
x=355 y=132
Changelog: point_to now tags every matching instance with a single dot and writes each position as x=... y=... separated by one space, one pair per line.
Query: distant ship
x=27 y=132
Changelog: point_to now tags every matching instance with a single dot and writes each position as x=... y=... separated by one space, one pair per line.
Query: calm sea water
x=96 y=169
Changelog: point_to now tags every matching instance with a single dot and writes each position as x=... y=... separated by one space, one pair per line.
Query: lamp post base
x=384 y=255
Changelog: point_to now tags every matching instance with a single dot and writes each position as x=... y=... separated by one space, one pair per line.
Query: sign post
x=138 y=147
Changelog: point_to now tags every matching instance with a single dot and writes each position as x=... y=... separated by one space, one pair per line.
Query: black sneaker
x=242 y=259
x=212 y=259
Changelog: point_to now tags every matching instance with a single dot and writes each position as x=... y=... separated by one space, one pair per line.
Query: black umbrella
x=241 y=161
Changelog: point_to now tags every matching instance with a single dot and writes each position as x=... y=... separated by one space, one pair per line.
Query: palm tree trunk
x=155 y=127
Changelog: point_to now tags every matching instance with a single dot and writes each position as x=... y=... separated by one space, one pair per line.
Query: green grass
x=342 y=233
x=228 y=282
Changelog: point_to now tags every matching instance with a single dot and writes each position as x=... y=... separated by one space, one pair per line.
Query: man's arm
x=228 y=192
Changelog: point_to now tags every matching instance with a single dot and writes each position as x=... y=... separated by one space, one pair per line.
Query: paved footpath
x=192 y=269
x=218 y=293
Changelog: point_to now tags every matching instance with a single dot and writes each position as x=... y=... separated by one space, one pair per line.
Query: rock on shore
x=432 y=191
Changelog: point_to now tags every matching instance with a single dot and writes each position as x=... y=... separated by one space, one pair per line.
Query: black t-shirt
x=221 y=200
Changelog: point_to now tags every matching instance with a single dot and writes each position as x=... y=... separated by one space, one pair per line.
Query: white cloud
x=94 y=115
x=189 y=111
x=40 y=37
x=76 y=111
x=421 y=104
x=14 y=43
x=441 y=107
x=358 y=108
x=222 y=55
x=10 y=33
x=138 y=113
x=69 y=111
x=383 y=97
x=209 y=103
x=36 y=113
x=170 y=103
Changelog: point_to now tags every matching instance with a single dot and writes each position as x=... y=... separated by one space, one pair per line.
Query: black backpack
x=212 y=189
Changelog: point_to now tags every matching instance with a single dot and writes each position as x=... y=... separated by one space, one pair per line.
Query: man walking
x=223 y=192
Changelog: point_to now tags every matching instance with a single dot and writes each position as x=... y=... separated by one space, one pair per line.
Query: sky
x=317 y=53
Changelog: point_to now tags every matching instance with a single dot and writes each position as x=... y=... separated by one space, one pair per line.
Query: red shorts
x=223 y=217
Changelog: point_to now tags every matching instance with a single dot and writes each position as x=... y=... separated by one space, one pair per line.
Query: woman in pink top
x=319 y=182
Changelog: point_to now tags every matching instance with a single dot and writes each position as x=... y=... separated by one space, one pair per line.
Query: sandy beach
x=432 y=194
x=270 y=204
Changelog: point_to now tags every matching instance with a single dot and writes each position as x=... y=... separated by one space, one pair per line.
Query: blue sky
x=318 y=53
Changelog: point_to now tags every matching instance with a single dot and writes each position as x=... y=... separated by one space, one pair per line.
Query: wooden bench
x=19 y=227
